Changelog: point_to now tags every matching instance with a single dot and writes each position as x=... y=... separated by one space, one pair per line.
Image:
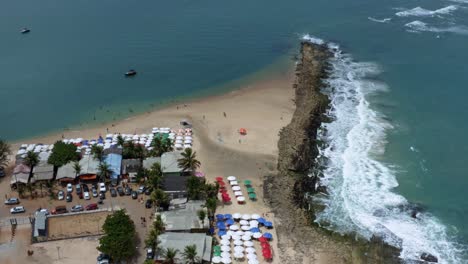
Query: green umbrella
x=252 y=196
x=247 y=182
x=217 y=253
x=217 y=248
x=250 y=190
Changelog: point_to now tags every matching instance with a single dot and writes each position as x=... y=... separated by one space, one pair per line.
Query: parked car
x=69 y=188
x=102 y=195
x=12 y=200
x=103 y=259
x=86 y=196
x=44 y=211
x=102 y=187
x=134 y=195
x=148 y=191
x=78 y=189
x=2 y=172
x=149 y=253
x=69 y=197
x=94 y=191
x=148 y=203
x=17 y=210
x=113 y=192
x=92 y=206
x=77 y=208
x=85 y=187
x=141 y=189
x=120 y=191
x=128 y=190
x=114 y=182
x=61 y=209
x=61 y=195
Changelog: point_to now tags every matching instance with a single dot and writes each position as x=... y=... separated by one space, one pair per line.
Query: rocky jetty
x=300 y=239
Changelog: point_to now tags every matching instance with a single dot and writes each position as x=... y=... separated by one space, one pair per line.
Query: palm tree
x=5 y=151
x=120 y=140
x=202 y=216
x=152 y=239
x=188 y=162
x=104 y=171
x=31 y=159
x=170 y=255
x=139 y=153
x=77 y=168
x=128 y=151
x=190 y=254
x=159 y=197
x=98 y=152
x=155 y=176
x=211 y=204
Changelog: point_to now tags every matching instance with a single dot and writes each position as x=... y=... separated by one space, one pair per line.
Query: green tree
x=194 y=188
x=170 y=255
x=5 y=151
x=159 y=225
x=104 y=171
x=118 y=240
x=151 y=240
x=141 y=174
x=160 y=198
x=211 y=204
x=155 y=176
x=149 y=261
x=62 y=153
x=21 y=190
x=128 y=151
x=31 y=159
x=202 y=216
x=77 y=168
x=139 y=153
x=98 y=152
x=190 y=254
x=211 y=190
x=188 y=162
x=120 y=140
x=160 y=145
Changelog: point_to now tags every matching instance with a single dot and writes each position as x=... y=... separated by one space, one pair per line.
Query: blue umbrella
x=221 y=233
x=230 y=222
x=220 y=217
x=228 y=216
x=261 y=220
x=268 y=236
x=211 y=230
x=222 y=227
x=268 y=224
x=218 y=224
x=255 y=230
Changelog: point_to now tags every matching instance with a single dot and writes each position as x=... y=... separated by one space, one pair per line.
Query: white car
x=69 y=188
x=17 y=210
x=86 y=196
x=102 y=187
x=61 y=195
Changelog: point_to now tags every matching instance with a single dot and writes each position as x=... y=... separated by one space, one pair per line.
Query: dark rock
x=429 y=258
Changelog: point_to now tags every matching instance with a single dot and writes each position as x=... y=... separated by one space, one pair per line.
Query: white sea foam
x=360 y=186
x=460 y=1
x=419 y=11
x=384 y=20
x=419 y=26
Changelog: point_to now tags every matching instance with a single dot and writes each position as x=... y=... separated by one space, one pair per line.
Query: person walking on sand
x=224 y=113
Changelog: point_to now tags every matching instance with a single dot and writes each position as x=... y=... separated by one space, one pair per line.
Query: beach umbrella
x=225 y=242
x=231 y=178
x=230 y=222
x=230 y=233
x=243 y=222
x=251 y=256
x=240 y=233
x=245 y=228
x=240 y=198
x=236 y=237
x=224 y=236
x=238 y=242
x=226 y=248
x=268 y=236
x=238 y=193
x=236 y=216
x=233 y=183
x=265 y=246
x=249 y=249
x=246 y=238
x=268 y=224
x=252 y=196
x=248 y=233
x=238 y=255
x=218 y=179
x=226 y=260
x=263 y=239
x=239 y=249
x=255 y=230
x=255 y=216
x=247 y=182
x=234 y=227
x=245 y=217
x=253 y=261
x=261 y=220
x=227 y=216
x=219 y=217
x=253 y=223
x=216 y=260
x=250 y=190
x=236 y=188
x=222 y=233
x=225 y=254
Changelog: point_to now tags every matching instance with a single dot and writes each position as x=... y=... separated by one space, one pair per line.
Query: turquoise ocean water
x=398 y=87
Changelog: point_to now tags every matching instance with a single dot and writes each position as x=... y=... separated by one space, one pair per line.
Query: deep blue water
x=69 y=69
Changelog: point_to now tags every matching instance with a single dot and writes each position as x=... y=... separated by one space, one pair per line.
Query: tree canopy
x=189 y=162
x=160 y=145
x=119 y=236
x=98 y=152
x=62 y=153
x=104 y=171
x=5 y=151
x=190 y=254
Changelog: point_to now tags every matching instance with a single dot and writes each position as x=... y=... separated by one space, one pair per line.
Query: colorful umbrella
x=227 y=216
x=230 y=222
x=247 y=182
x=231 y=178
x=268 y=236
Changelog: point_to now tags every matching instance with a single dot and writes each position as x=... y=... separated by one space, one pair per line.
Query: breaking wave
x=421 y=12
x=385 y=20
x=360 y=186
x=419 y=26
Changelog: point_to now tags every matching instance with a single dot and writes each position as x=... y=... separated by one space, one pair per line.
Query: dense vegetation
x=5 y=151
x=62 y=153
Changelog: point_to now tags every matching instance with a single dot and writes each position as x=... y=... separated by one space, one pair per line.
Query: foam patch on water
x=360 y=186
x=421 y=12
x=460 y=1
x=384 y=20
x=419 y=26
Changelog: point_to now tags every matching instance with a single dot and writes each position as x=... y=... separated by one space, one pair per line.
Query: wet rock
x=429 y=258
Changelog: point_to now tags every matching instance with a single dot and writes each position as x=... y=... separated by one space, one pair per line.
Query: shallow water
x=402 y=77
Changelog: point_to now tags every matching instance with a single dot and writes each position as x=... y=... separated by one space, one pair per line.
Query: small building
x=179 y=241
x=43 y=172
x=89 y=168
x=148 y=162
x=21 y=178
x=115 y=163
x=66 y=173
x=40 y=226
x=184 y=218
x=174 y=179
x=130 y=166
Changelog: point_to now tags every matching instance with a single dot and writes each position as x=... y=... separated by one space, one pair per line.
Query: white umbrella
x=253 y=223
x=238 y=249
x=231 y=178
x=234 y=227
x=238 y=242
x=238 y=255
x=243 y=222
x=253 y=261
x=236 y=188
x=230 y=233
x=240 y=198
x=178 y=141
x=249 y=249
x=240 y=233
x=236 y=237
x=225 y=237
x=233 y=183
x=236 y=216
x=253 y=226
x=246 y=238
x=180 y=137
x=225 y=242
x=216 y=260
x=257 y=235
x=245 y=228
x=255 y=216
x=245 y=217
x=188 y=137
x=226 y=260
x=225 y=254
x=187 y=146
x=251 y=256
x=248 y=233
x=225 y=248
x=238 y=193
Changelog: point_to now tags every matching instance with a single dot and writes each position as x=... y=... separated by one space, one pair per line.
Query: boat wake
x=360 y=186
x=385 y=20
x=421 y=12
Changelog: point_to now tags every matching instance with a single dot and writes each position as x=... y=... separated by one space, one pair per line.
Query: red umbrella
x=266 y=252
x=219 y=178
x=221 y=184
x=267 y=256
x=266 y=246
x=263 y=239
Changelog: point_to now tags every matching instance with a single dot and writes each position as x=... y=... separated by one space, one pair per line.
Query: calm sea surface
x=69 y=70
